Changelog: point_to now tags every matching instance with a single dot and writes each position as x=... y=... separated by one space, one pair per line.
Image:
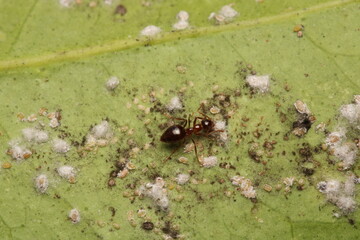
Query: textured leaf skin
x=66 y=66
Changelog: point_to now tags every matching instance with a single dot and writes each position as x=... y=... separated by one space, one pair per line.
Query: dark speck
x=351 y=221
x=168 y=230
x=112 y=210
x=148 y=226
x=120 y=9
x=111 y=182
x=308 y=171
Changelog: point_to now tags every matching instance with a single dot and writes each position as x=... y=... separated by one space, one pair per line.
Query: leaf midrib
x=121 y=44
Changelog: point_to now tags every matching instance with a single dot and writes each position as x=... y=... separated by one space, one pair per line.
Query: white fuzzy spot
x=18 y=152
x=289 y=181
x=349 y=186
x=223 y=136
x=226 y=14
x=35 y=135
x=74 y=215
x=108 y=2
x=183 y=21
x=220 y=125
x=150 y=31
x=346 y=204
x=211 y=16
x=208 y=162
x=175 y=104
x=41 y=183
x=181 y=25
x=102 y=130
x=112 y=83
x=66 y=3
x=90 y=141
x=339 y=194
x=259 y=83
x=60 y=146
x=321 y=127
x=245 y=186
x=182 y=178
x=333 y=186
x=157 y=193
x=183 y=16
x=66 y=172
x=351 y=112
x=32 y=118
x=54 y=122
x=346 y=153
x=335 y=138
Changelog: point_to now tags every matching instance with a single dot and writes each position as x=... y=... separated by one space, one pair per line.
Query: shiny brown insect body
x=177 y=132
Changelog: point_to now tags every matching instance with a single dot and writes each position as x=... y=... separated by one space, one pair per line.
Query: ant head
x=207 y=124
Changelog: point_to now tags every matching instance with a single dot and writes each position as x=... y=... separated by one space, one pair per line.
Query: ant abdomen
x=173 y=134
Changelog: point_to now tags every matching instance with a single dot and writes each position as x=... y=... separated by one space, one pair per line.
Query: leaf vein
x=121 y=44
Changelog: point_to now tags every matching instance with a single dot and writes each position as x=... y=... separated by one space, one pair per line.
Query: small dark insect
x=177 y=132
x=351 y=221
x=111 y=182
x=120 y=9
x=113 y=211
x=148 y=226
x=58 y=115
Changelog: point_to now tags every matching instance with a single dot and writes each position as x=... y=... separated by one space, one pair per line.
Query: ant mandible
x=177 y=132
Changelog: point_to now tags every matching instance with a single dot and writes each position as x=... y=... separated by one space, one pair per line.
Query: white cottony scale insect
x=175 y=104
x=245 y=186
x=157 y=193
x=150 y=31
x=35 y=135
x=41 y=183
x=112 y=83
x=183 y=18
x=74 y=215
x=208 y=162
x=60 y=146
x=182 y=178
x=259 y=83
x=340 y=194
x=226 y=14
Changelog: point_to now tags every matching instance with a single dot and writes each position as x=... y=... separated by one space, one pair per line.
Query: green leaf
x=60 y=58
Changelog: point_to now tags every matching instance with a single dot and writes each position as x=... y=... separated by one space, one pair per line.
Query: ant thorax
x=207 y=125
x=197 y=128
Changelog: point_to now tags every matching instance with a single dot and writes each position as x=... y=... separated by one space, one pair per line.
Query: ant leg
x=189 y=121
x=201 y=106
x=215 y=131
x=196 y=118
x=174 y=151
x=209 y=134
x=196 y=153
x=174 y=118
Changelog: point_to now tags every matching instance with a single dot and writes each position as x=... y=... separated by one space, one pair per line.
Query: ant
x=177 y=132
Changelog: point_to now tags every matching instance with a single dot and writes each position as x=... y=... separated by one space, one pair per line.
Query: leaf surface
x=60 y=58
